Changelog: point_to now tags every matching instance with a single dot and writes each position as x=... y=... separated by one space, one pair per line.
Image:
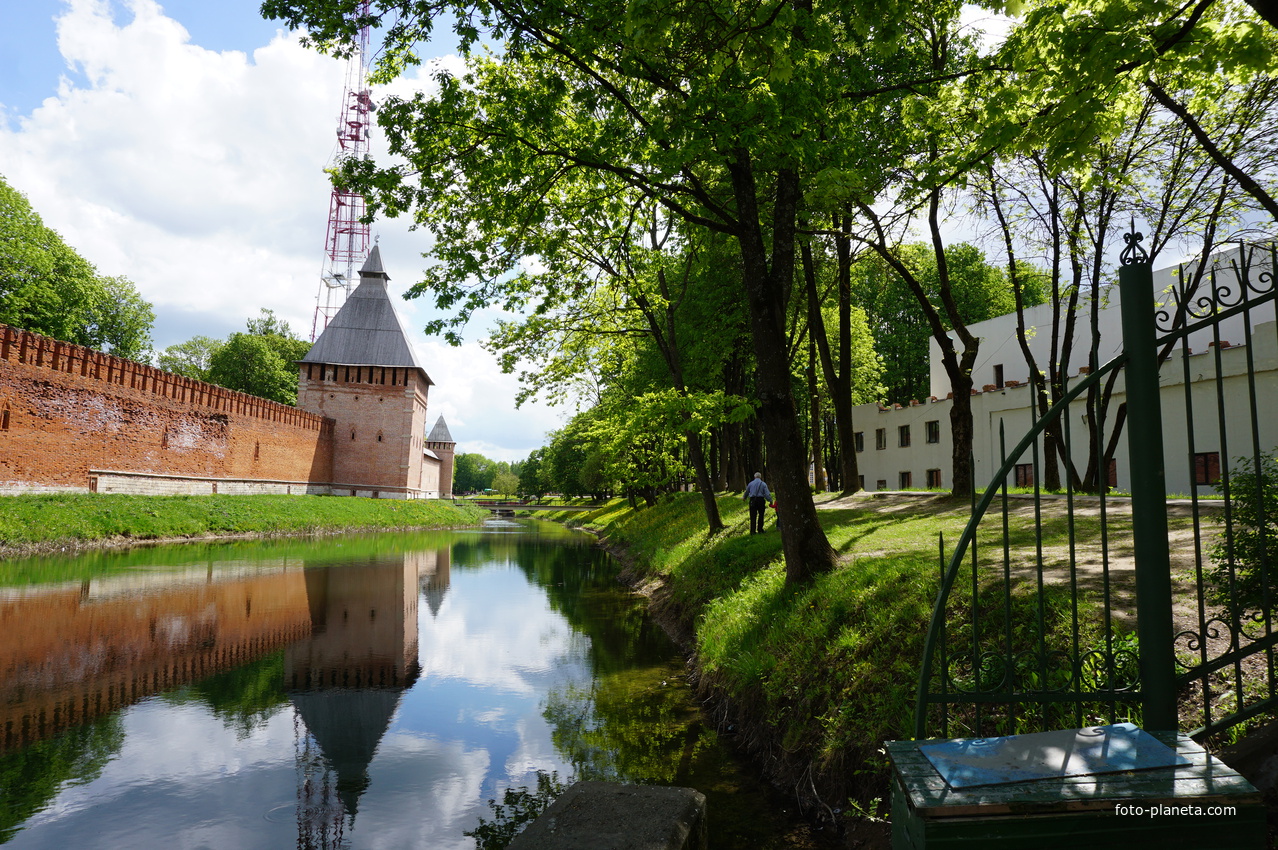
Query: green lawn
x=48 y=521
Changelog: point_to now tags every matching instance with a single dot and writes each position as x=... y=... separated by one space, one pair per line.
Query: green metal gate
x=1029 y=634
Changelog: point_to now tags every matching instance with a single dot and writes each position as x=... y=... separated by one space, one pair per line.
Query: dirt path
x=1091 y=561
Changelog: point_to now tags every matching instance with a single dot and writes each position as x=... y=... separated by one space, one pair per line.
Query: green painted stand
x=1077 y=811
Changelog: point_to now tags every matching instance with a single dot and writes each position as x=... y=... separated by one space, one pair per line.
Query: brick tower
x=440 y=443
x=362 y=372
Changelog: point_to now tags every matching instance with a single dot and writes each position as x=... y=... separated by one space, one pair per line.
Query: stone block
x=614 y=816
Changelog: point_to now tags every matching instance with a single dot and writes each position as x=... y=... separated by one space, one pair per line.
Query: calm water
x=359 y=692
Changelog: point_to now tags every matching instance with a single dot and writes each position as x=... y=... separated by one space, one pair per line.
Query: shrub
x=1245 y=561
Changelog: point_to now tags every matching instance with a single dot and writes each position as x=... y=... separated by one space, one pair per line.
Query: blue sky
x=30 y=64
x=182 y=145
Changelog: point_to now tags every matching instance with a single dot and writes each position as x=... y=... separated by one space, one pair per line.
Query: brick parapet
x=33 y=349
x=66 y=410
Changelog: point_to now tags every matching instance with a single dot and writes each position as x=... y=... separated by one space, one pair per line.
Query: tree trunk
x=807 y=550
x=718 y=449
x=833 y=457
x=961 y=430
x=814 y=414
x=839 y=379
x=698 y=458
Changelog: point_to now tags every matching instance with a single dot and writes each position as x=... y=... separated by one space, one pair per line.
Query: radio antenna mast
x=346 y=240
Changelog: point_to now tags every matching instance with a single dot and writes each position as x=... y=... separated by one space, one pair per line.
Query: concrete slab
x=615 y=816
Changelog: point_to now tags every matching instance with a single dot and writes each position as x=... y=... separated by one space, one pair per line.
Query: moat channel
x=356 y=692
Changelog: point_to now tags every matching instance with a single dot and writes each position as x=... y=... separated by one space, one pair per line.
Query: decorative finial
x=1133 y=253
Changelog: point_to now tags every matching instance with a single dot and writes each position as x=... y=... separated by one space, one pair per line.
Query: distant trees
x=190 y=359
x=260 y=361
x=48 y=288
x=901 y=332
x=474 y=473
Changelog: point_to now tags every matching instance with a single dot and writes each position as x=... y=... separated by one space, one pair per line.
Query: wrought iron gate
x=1080 y=614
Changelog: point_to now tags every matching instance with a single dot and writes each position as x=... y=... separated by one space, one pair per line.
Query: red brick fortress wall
x=72 y=418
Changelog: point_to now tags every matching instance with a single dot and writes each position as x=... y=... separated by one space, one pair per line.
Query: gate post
x=1149 y=489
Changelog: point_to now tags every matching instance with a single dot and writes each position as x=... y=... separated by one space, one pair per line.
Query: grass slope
x=817 y=676
x=32 y=523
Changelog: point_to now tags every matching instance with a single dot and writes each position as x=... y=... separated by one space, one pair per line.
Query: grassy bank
x=34 y=523
x=815 y=678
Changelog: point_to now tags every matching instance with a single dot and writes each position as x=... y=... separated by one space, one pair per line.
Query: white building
x=910 y=446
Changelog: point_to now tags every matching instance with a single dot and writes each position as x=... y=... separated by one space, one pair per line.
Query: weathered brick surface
x=68 y=413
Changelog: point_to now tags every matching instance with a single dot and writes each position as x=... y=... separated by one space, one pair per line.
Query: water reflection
x=357 y=692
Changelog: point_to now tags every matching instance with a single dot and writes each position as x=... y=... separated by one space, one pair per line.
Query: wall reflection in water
x=76 y=653
x=355 y=692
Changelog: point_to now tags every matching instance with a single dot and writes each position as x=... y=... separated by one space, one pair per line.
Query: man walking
x=756 y=493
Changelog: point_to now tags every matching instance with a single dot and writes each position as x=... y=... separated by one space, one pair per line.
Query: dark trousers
x=758 y=512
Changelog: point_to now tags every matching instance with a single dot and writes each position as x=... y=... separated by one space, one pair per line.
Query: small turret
x=440 y=442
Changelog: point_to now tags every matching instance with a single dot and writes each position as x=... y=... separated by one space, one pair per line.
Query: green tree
x=48 y=288
x=720 y=115
x=641 y=305
x=531 y=475
x=474 y=473
x=261 y=362
x=118 y=319
x=506 y=483
x=191 y=358
x=1077 y=71
x=899 y=327
x=565 y=458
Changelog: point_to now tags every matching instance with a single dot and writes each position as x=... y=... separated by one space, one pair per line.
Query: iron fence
x=1080 y=608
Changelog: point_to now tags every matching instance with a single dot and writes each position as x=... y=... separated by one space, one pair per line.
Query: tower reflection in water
x=346 y=681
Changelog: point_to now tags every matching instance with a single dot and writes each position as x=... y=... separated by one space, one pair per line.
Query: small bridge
x=500 y=507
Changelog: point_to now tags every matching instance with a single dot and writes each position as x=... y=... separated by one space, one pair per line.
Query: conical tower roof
x=439 y=434
x=367 y=331
x=348 y=724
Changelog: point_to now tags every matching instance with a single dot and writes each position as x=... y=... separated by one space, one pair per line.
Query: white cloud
x=478 y=402
x=199 y=175
x=196 y=173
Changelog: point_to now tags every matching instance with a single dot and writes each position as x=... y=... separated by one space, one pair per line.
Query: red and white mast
x=346 y=242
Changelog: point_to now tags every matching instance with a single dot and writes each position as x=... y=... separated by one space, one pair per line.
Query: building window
x=881 y=484
x=860 y=480
x=933 y=431
x=906 y=480
x=1113 y=472
x=352 y=433
x=1207 y=468
x=903 y=435
x=934 y=479
x=1024 y=475
x=257 y=451
x=880 y=438
x=4 y=418
x=858 y=441
x=998 y=375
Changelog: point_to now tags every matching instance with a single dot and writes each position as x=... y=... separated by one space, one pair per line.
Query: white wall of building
x=1009 y=406
x=1000 y=349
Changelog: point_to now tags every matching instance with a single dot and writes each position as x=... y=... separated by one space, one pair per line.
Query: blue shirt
x=756 y=488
